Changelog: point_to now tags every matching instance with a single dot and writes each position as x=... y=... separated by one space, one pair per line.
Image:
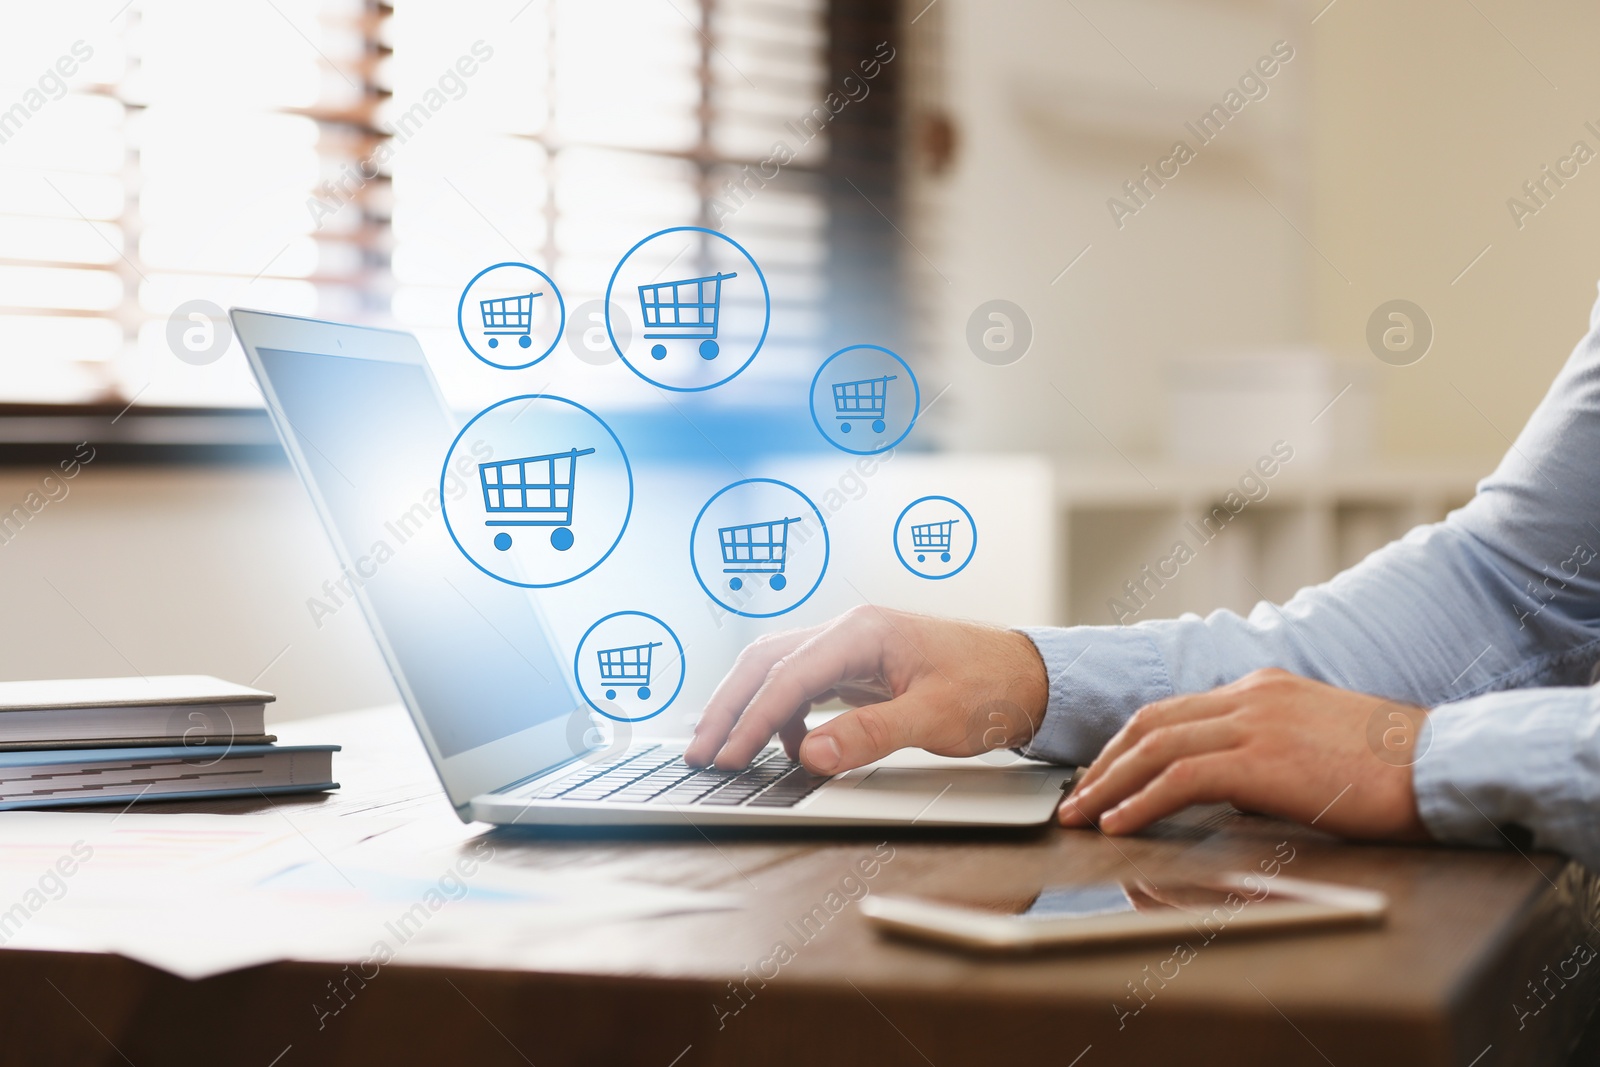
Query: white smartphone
x=1105 y=913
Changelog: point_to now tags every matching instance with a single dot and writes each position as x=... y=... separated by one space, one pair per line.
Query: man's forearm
x=1425 y=621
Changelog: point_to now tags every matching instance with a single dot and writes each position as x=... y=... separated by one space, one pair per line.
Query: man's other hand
x=1271 y=742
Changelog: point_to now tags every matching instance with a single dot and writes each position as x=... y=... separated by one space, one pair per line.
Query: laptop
x=367 y=429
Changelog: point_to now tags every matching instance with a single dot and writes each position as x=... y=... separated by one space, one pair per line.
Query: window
x=352 y=160
x=175 y=169
x=589 y=127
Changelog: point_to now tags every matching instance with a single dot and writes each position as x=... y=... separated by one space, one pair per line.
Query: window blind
x=360 y=161
x=590 y=127
x=176 y=168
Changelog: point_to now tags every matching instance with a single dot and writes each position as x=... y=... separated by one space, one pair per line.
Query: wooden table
x=1446 y=981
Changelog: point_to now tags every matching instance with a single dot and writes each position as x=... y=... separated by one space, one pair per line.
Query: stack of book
x=110 y=740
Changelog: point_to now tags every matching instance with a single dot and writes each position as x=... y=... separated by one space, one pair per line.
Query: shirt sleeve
x=1099 y=675
x=1491 y=618
x=1514 y=767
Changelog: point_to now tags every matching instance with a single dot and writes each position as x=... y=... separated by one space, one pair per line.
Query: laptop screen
x=469 y=651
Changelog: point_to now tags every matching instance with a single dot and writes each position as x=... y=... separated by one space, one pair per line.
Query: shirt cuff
x=1099 y=676
x=1519 y=767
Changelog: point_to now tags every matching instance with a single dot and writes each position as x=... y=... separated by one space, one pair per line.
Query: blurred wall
x=181 y=570
x=1055 y=107
x=1378 y=167
x=1427 y=117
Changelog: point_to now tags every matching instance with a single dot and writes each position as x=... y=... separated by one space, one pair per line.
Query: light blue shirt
x=1490 y=618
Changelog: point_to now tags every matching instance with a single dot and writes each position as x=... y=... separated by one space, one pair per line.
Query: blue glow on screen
x=470 y=649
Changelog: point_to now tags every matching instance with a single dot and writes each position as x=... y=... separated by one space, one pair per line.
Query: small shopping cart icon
x=862 y=400
x=756 y=548
x=683 y=310
x=626 y=667
x=539 y=487
x=932 y=538
x=508 y=316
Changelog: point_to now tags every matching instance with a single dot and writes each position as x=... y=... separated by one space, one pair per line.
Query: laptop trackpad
x=975 y=780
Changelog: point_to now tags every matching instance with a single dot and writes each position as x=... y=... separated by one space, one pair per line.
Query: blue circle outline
x=561 y=306
x=577 y=672
x=444 y=475
x=916 y=401
x=827 y=548
x=766 y=294
x=970 y=522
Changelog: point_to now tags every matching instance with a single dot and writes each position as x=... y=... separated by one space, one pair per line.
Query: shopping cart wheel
x=502 y=541
x=644 y=692
x=494 y=342
x=877 y=426
x=658 y=351
x=524 y=341
x=735 y=584
x=611 y=694
x=844 y=427
x=778 y=581
x=709 y=349
x=922 y=559
x=561 y=538
x=945 y=556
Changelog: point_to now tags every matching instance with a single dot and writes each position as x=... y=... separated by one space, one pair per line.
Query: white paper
x=199 y=895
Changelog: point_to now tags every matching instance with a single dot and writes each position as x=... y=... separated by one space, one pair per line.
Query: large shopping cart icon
x=684 y=310
x=627 y=666
x=510 y=316
x=929 y=538
x=756 y=548
x=862 y=400
x=539 y=487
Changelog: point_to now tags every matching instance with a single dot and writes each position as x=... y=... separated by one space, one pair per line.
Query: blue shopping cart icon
x=686 y=309
x=756 y=548
x=627 y=666
x=537 y=486
x=930 y=538
x=862 y=400
x=510 y=316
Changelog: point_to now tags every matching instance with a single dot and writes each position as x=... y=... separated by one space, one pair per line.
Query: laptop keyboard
x=657 y=775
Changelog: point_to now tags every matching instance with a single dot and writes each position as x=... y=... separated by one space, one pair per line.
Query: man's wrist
x=1032 y=683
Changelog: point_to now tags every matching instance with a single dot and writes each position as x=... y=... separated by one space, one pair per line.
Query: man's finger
x=844 y=650
x=1197 y=780
x=861 y=735
x=734 y=692
x=1167 y=712
x=1159 y=749
x=793 y=732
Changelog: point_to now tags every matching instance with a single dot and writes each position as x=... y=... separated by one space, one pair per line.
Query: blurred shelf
x=1158 y=483
x=1120 y=527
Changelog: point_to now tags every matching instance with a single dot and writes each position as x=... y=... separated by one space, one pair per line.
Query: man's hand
x=1271 y=742
x=953 y=688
